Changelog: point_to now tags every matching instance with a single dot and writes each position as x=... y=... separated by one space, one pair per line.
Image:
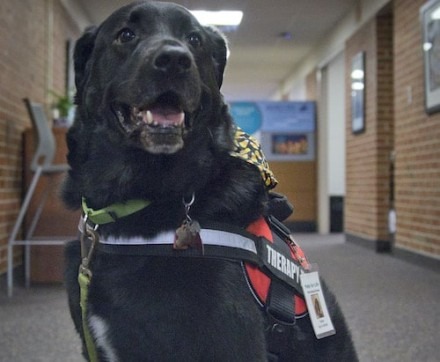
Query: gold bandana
x=248 y=149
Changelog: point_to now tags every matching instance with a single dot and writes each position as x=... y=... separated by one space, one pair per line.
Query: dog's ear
x=81 y=56
x=219 y=53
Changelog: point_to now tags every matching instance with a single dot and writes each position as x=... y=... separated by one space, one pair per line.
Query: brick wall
x=32 y=62
x=417 y=139
x=385 y=119
x=368 y=153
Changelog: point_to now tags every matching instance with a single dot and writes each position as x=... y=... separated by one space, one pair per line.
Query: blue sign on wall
x=274 y=116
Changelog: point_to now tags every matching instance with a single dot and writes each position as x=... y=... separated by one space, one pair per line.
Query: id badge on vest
x=316 y=305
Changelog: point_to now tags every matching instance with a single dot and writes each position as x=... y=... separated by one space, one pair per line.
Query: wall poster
x=286 y=130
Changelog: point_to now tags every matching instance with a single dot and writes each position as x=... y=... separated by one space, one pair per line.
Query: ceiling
x=260 y=58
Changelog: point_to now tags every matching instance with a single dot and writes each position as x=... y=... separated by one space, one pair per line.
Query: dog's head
x=149 y=71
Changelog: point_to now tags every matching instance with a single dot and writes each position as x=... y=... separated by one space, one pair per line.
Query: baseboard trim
x=380 y=246
x=416 y=258
x=385 y=246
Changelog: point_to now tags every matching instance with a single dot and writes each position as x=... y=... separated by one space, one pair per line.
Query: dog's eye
x=126 y=35
x=195 y=40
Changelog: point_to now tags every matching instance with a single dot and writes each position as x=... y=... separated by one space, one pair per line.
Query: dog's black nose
x=173 y=59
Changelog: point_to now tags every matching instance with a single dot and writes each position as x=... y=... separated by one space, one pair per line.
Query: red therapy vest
x=259 y=281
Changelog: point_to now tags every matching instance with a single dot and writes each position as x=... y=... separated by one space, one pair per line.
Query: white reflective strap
x=208 y=236
x=160 y=239
x=224 y=238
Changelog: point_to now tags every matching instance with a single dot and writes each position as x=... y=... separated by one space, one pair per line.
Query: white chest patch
x=99 y=330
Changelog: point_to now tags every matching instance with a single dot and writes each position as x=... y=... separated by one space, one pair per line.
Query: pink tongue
x=167 y=116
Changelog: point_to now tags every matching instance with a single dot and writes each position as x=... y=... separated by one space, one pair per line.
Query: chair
x=41 y=165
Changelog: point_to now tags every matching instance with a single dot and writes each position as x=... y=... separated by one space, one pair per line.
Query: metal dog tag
x=188 y=235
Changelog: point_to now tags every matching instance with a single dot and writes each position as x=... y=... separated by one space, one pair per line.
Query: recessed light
x=218 y=18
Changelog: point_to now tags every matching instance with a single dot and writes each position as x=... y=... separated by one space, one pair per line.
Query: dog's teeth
x=149 y=117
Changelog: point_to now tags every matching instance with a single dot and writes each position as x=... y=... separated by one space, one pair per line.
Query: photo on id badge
x=317 y=305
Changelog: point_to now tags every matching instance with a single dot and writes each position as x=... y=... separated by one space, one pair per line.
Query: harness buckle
x=278 y=335
x=89 y=235
x=84 y=270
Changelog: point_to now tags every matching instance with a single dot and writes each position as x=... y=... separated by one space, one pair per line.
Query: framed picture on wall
x=357 y=82
x=288 y=146
x=430 y=19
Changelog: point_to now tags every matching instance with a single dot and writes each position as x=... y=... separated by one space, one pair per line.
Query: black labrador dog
x=151 y=125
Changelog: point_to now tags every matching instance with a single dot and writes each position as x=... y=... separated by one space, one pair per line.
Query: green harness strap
x=113 y=212
x=84 y=282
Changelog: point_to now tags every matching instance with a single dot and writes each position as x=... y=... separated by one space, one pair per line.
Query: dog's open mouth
x=157 y=126
x=159 y=116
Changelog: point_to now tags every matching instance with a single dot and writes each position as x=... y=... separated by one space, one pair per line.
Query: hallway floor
x=391 y=306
